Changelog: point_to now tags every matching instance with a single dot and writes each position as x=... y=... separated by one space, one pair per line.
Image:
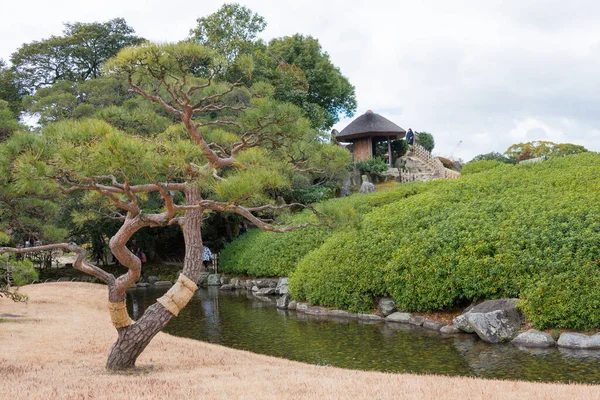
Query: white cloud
x=485 y=74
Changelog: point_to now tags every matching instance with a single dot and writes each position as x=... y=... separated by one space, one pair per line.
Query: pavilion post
x=390 y=151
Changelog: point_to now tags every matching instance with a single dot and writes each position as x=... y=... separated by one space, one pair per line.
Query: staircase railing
x=440 y=171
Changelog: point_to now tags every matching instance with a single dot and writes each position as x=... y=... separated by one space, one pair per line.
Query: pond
x=242 y=321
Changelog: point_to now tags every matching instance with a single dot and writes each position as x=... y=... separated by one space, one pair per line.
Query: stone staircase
x=424 y=167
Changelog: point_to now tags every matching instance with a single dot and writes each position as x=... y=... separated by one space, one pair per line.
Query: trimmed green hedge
x=261 y=254
x=475 y=167
x=530 y=231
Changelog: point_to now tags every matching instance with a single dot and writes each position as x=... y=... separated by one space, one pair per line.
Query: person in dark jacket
x=410 y=137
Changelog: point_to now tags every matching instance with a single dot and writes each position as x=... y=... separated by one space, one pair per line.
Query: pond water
x=241 y=321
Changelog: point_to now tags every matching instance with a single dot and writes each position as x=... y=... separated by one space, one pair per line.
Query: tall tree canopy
x=540 y=148
x=233 y=145
x=232 y=30
x=328 y=92
x=297 y=67
x=77 y=55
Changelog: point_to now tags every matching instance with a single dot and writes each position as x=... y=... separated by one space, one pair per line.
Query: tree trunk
x=133 y=339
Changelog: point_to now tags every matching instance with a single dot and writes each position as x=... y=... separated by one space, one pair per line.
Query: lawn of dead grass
x=59 y=348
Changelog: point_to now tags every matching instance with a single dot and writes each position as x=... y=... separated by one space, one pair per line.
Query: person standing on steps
x=410 y=137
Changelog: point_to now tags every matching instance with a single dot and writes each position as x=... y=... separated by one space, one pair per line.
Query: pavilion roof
x=370 y=124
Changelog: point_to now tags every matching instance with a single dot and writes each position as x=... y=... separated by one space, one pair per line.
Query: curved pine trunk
x=134 y=338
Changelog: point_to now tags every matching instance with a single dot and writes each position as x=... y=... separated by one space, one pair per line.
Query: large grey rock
x=249 y=283
x=386 y=306
x=282 y=286
x=573 y=340
x=391 y=173
x=268 y=291
x=292 y=305
x=261 y=283
x=238 y=283
x=355 y=177
x=401 y=317
x=461 y=322
x=255 y=288
x=370 y=317
x=433 y=325
x=346 y=189
x=342 y=314
x=449 y=330
x=214 y=280
x=533 y=338
x=416 y=320
x=224 y=280
x=265 y=283
x=367 y=187
x=227 y=286
x=302 y=307
x=202 y=279
x=314 y=310
x=163 y=283
x=142 y=284
x=496 y=321
x=283 y=301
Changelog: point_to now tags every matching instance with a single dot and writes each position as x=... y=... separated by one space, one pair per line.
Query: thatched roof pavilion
x=368 y=129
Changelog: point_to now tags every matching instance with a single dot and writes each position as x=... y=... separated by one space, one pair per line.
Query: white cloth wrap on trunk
x=179 y=295
x=118 y=314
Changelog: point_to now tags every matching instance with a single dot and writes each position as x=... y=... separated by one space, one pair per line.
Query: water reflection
x=243 y=321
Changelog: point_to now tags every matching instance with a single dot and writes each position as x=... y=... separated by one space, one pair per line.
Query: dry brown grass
x=59 y=348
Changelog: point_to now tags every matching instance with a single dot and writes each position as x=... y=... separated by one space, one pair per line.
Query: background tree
x=426 y=140
x=10 y=91
x=539 y=148
x=231 y=31
x=28 y=207
x=329 y=93
x=494 y=156
x=76 y=56
x=296 y=66
x=230 y=149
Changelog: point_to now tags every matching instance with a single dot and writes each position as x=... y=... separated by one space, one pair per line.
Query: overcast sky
x=485 y=73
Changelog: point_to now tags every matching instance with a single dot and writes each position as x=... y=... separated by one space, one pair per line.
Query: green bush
x=475 y=167
x=16 y=273
x=521 y=231
x=260 y=253
x=372 y=166
x=565 y=300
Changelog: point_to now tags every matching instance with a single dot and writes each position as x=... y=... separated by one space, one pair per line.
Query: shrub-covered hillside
x=261 y=253
x=530 y=231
